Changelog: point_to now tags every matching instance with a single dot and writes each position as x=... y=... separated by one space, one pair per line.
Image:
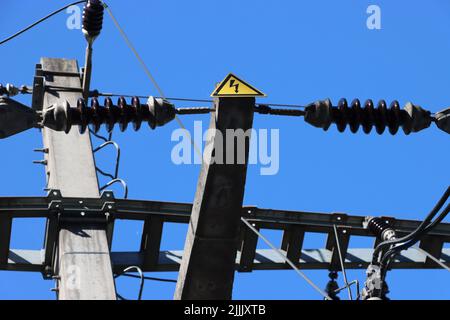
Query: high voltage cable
x=40 y=21
x=107 y=94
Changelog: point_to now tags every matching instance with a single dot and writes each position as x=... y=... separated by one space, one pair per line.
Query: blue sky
x=296 y=52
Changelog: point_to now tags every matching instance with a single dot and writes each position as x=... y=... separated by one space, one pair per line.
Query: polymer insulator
x=412 y=118
x=156 y=112
x=93 y=18
x=380 y=228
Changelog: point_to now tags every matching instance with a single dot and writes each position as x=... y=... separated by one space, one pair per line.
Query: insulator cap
x=319 y=115
x=92 y=18
x=161 y=112
x=443 y=120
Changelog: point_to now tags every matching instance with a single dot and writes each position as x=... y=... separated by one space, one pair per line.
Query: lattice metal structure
x=155 y=214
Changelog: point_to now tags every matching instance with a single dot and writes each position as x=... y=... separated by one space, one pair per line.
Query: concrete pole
x=208 y=264
x=83 y=263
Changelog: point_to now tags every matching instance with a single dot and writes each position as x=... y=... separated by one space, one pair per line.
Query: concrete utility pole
x=209 y=258
x=82 y=256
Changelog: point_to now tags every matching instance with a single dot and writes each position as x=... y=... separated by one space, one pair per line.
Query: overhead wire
x=150 y=76
x=108 y=94
x=39 y=21
x=397 y=244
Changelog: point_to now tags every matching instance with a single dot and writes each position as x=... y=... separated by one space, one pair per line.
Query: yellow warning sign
x=232 y=86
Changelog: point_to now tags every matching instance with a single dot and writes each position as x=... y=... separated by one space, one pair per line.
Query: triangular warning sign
x=232 y=86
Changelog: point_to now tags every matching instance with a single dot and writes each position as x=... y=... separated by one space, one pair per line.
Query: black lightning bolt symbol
x=236 y=86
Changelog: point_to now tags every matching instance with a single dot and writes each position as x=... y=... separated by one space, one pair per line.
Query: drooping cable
x=151 y=278
x=397 y=245
x=40 y=21
x=141 y=276
x=425 y=225
x=391 y=253
x=114 y=177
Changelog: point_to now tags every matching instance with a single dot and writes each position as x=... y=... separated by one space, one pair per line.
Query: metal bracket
x=339 y=220
x=73 y=210
x=76 y=210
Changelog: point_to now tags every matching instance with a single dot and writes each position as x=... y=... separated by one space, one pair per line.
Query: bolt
x=43 y=150
x=43 y=162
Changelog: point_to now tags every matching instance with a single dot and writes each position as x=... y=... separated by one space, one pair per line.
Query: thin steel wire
x=150 y=76
x=341 y=260
x=429 y=255
x=287 y=260
x=39 y=21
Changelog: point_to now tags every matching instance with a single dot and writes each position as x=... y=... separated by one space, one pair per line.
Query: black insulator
x=332 y=286
x=377 y=226
x=157 y=112
x=3 y=90
x=412 y=118
x=93 y=18
x=381 y=229
x=443 y=120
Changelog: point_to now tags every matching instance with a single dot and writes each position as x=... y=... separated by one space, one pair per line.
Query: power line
x=107 y=94
x=150 y=278
x=150 y=76
x=40 y=21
